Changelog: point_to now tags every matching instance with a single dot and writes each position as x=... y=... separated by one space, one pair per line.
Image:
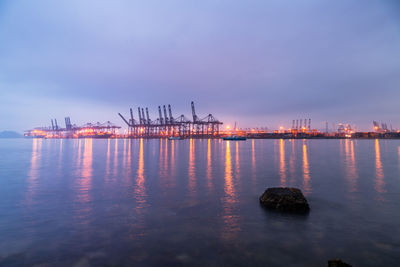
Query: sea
x=195 y=202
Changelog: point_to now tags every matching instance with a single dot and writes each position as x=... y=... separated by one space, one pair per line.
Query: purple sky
x=260 y=63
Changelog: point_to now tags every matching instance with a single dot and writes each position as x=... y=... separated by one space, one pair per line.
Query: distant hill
x=10 y=134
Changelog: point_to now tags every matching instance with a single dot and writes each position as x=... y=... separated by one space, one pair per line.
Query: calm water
x=195 y=202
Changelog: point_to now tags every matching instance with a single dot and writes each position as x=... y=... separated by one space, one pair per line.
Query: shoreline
x=220 y=137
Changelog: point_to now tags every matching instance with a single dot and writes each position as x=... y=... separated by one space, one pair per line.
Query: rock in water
x=284 y=199
x=337 y=263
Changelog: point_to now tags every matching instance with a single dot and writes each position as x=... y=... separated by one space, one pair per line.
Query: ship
x=175 y=138
x=234 y=138
x=95 y=135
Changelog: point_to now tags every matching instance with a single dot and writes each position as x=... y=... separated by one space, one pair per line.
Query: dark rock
x=337 y=263
x=284 y=199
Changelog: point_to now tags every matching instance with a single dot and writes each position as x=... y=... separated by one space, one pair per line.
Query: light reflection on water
x=253 y=162
x=351 y=169
x=129 y=160
x=140 y=195
x=166 y=165
x=152 y=202
x=237 y=163
x=115 y=168
x=78 y=158
x=192 y=167
x=171 y=164
x=380 y=183
x=33 y=175
x=229 y=190
x=84 y=183
x=140 y=190
x=282 y=170
x=60 y=153
x=292 y=159
x=108 y=162
x=209 y=167
x=230 y=216
x=306 y=171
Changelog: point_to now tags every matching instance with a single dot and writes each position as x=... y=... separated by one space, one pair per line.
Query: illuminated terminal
x=181 y=127
x=88 y=130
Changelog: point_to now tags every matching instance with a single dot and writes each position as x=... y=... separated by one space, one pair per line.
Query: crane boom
x=122 y=117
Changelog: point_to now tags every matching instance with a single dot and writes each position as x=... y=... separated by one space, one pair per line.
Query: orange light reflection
x=124 y=159
x=140 y=190
x=351 y=165
x=209 y=167
x=161 y=160
x=230 y=219
x=87 y=171
x=34 y=169
x=129 y=156
x=399 y=156
x=237 y=164
x=229 y=190
x=140 y=195
x=192 y=170
x=380 y=183
x=108 y=161
x=306 y=171
x=292 y=161
x=60 y=154
x=83 y=184
x=166 y=157
x=282 y=165
x=253 y=162
x=79 y=158
x=172 y=163
x=115 y=158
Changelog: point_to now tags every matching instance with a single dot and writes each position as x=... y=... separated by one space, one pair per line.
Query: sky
x=259 y=63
